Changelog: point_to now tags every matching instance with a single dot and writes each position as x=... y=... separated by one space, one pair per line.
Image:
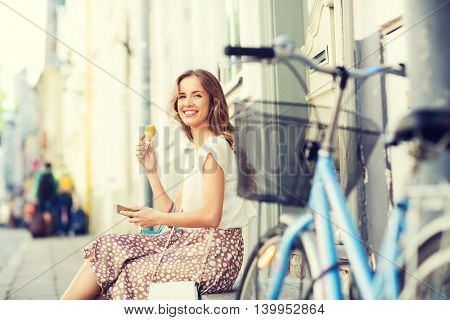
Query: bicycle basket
x=277 y=145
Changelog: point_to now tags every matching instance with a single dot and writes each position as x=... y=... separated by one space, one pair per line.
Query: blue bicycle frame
x=326 y=194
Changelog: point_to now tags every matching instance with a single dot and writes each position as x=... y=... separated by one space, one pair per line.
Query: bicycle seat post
x=327 y=147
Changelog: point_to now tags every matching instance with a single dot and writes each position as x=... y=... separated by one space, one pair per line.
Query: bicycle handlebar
x=275 y=52
x=262 y=52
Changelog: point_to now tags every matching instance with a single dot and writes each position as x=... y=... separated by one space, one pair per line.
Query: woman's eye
x=198 y=96
x=179 y=98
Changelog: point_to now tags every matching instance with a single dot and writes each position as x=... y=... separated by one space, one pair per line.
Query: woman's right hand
x=146 y=156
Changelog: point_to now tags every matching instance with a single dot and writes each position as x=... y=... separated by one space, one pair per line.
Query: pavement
x=37 y=269
x=12 y=242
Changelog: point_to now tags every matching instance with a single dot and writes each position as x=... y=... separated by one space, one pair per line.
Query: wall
x=381 y=37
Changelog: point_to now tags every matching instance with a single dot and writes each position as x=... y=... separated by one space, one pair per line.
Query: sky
x=22 y=45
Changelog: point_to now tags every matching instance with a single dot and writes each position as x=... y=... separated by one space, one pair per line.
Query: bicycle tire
x=250 y=289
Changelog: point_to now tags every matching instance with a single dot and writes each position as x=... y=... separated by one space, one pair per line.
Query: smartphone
x=122 y=208
x=155 y=230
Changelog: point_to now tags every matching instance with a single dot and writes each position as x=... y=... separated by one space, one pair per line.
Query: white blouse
x=237 y=211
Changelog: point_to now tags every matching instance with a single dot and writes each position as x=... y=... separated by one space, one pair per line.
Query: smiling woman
x=122 y=266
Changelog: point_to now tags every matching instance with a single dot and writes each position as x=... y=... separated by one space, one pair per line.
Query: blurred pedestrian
x=79 y=222
x=65 y=200
x=47 y=200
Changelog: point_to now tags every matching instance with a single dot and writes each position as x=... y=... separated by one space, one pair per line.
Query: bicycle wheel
x=256 y=278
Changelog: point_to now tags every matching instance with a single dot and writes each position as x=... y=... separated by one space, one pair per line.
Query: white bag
x=176 y=290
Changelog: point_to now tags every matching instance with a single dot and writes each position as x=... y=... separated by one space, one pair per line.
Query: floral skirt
x=124 y=263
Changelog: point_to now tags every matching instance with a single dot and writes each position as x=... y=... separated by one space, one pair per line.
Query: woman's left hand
x=144 y=218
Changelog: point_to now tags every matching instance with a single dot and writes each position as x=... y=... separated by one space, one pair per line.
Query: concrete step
x=231 y=295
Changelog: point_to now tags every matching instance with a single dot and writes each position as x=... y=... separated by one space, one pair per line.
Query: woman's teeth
x=190 y=113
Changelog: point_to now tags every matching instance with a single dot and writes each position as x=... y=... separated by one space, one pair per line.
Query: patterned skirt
x=124 y=263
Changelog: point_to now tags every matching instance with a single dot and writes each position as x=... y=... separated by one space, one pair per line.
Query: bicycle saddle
x=430 y=124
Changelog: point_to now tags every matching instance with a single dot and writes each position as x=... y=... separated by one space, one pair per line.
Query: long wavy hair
x=218 y=118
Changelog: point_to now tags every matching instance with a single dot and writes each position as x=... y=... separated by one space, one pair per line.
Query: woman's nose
x=189 y=101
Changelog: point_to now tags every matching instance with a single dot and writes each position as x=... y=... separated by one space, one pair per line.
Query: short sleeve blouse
x=236 y=210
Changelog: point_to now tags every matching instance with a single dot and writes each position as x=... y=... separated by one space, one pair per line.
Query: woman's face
x=193 y=102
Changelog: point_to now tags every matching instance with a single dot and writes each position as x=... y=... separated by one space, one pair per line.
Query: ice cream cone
x=149 y=133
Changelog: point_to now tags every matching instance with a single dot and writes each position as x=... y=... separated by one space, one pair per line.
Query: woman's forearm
x=201 y=218
x=161 y=199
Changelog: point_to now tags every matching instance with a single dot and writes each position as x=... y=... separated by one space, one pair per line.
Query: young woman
x=120 y=266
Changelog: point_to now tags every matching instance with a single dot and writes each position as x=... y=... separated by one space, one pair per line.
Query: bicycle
x=312 y=232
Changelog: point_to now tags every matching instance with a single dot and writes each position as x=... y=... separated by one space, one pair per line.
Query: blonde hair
x=218 y=118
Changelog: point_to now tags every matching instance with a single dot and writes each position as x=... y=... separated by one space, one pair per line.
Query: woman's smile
x=190 y=113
